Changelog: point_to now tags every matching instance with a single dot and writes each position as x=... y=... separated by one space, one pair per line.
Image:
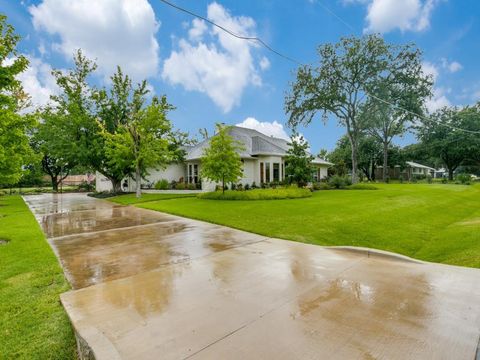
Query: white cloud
x=430 y=69
x=268 y=128
x=406 y=15
x=222 y=67
x=438 y=101
x=452 y=67
x=114 y=32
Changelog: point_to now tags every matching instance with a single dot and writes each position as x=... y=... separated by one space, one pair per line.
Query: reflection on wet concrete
x=176 y=288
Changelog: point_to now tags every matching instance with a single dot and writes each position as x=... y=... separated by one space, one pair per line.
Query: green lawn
x=432 y=222
x=33 y=324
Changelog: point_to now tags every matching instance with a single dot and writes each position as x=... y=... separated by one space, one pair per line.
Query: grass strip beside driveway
x=33 y=324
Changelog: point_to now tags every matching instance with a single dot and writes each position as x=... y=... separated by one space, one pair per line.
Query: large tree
x=145 y=140
x=452 y=135
x=384 y=121
x=14 y=143
x=221 y=160
x=298 y=161
x=349 y=72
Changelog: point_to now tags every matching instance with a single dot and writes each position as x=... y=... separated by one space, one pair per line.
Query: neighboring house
x=410 y=171
x=441 y=173
x=263 y=162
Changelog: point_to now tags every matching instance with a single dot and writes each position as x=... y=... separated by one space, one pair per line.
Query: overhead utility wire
x=286 y=57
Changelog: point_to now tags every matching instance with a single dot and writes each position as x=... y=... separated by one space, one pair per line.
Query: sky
x=212 y=77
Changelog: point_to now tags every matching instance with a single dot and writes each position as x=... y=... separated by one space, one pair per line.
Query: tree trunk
x=54 y=183
x=354 y=162
x=138 y=180
x=116 y=184
x=450 y=173
x=386 y=175
x=223 y=185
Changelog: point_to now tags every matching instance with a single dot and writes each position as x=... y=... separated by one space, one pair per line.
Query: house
x=263 y=161
x=411 y=170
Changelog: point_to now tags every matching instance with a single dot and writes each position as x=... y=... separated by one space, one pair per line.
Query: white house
x=263 y=162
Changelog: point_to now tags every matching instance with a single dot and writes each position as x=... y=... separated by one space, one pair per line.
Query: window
x=283 y=172
x=195 y=173
x=276 y=172
x=267 y=172
x=261 y=173
x=189 y=174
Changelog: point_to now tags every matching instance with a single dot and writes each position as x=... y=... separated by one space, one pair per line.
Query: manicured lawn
x=432 y=222
x=258 y=194
x=129 y=199
x=33 y=324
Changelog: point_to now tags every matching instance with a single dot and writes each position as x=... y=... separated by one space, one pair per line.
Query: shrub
x=180 y=186
x=254 y=186
x=338 y=182
x=257 y=194
x=162 y=184
x=463 y=178
x=191 y=187
x=444 y=180
x=247 y=187
x=362 y=186
x=321 y=186
x=429 y=179
x=240 y=187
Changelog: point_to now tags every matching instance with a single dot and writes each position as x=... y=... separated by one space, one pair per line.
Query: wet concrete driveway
x=153 y=286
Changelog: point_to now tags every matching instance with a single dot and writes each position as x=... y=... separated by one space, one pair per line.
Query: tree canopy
x=349 y=73
x=298 y=168
x=221 y=160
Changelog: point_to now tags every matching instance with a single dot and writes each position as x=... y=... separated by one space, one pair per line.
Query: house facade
x=263 y=161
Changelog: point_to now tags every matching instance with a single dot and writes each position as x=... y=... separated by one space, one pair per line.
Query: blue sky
x=211 y=77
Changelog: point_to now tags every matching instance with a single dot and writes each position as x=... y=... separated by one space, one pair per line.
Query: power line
x=230 y=32
x=286 y=57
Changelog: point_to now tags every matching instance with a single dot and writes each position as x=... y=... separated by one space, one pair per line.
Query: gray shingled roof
x=255 y=143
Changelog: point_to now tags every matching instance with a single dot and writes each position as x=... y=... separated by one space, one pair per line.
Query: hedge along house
x=263 y=161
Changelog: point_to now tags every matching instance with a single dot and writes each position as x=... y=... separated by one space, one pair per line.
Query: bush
x=429 y=179
x=362 y=186
x=191 y=187
x=180 y=186
x=444 y=180
x=463 y=179
x=339 y=182
x=162 y=184
x=257 y=194
x=247 y=187
x=321 y=186
x=254 y=186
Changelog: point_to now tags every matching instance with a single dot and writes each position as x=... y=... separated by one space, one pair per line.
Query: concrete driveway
x=149 y=285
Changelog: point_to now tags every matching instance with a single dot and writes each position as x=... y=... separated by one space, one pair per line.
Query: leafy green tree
x=298 y=161
x=349 y=72
x=145 y=139
x=221 y=161
x=383 y=121
x=369 y=154
x=48 y=141
x=440 y=136
x=15 y=151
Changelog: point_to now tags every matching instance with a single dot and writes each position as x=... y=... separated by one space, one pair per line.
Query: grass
x=128 y=199
x=257 y=194
x=33 y=324
x=433 y=222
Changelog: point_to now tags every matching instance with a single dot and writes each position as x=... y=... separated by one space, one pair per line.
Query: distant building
x=411 y=171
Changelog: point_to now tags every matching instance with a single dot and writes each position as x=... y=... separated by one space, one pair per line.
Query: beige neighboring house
x=263 y=162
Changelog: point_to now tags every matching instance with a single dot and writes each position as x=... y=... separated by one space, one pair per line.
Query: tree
x=14 y=145
x=48 y=140
x=369 y=153
x=348 y=74
x=145 y=139
x=298 y=161
x=440 y=136
x=384 y=121
x=221 y=160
